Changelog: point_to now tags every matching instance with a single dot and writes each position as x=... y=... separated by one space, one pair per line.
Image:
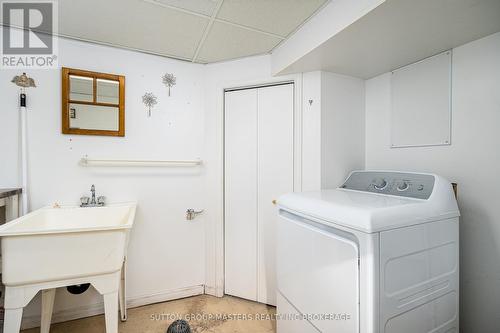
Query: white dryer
x=377 y=255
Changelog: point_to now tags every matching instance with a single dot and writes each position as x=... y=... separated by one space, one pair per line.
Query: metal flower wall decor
x=149 y=100
x=169 y=80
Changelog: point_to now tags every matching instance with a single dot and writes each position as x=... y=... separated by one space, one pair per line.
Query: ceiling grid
x=201 y=31
x=207 y=29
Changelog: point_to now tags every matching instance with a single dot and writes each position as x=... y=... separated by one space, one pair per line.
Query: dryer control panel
x=410 y=185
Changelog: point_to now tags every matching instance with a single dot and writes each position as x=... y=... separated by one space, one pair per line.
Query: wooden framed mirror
x=92 y=103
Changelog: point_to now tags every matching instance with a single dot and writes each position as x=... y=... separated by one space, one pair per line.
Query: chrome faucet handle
x=101 y=200
x=92 y=189
x=84 y=201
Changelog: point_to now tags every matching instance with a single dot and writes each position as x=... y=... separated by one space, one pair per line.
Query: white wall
x=333 y=123
x=311 y=131
x=342 y=127
x=166 y=252
x=472 y=160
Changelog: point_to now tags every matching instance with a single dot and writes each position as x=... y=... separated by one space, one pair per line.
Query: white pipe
x=24 y=159
x=138 y=163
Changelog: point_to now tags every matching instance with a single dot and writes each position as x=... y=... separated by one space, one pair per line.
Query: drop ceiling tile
x=134 y=24
x=280 y=17
x=226 y=41
x=205 y=7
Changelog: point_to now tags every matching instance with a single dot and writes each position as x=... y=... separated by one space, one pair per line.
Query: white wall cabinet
x=259 y=162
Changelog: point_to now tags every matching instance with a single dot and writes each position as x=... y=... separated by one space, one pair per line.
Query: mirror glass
x=107 y=91
x=81 y=88
x=93 y=103
x=93 y=117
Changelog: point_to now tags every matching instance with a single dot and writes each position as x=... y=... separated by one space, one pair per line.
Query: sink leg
x=111 y=311
x=48 y=297
x=122 y=294
x=12 y=320
x=122 y=301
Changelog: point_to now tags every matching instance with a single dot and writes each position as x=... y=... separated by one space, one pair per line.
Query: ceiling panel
x=133 y=24
x=280 y=17
x=177 y=28
x=205 y=7
x=226 y=41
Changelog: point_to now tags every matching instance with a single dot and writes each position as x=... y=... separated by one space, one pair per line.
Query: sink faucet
x=92 y=189
x=88 y=202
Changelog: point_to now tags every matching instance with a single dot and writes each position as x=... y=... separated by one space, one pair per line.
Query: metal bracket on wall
x=191 y=214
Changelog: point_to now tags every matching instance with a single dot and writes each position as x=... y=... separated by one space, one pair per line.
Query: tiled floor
x=202 y=311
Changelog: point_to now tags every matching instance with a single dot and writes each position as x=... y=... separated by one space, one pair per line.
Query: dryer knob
x=403 y=186
x=380 y=184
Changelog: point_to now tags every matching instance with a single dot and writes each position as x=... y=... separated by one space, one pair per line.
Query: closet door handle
x=274 y=202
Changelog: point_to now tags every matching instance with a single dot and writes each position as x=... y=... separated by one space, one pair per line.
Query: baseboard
x=210 y=291
x=165 y=296
x=65 y=315
x=214 y=291
x=98 y=308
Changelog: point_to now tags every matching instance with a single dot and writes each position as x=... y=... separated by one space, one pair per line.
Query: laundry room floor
x=155 y=318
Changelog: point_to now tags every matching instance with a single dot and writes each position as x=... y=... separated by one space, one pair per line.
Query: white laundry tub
x=64 y=243
x=59 y=246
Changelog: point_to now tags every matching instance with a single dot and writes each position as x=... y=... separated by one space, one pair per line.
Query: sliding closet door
x=241 y=193
x=258 y=169
x=275 y=177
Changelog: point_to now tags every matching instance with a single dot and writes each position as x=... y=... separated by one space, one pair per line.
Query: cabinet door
x=241 y=193
x=275 y=177
x=258 y=169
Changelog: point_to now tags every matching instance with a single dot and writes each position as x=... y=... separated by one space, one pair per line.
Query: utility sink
x=59 y=246
x=66 y=242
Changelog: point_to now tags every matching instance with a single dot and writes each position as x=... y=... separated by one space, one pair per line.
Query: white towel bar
x=85 y=161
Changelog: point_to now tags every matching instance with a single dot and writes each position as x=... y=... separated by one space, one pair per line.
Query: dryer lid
x=373 y=201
